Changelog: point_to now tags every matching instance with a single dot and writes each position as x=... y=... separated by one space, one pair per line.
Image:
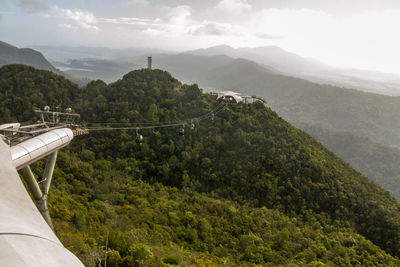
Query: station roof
x=237 y=96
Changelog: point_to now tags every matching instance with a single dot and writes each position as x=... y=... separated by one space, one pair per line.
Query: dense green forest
x=378 y=162
x=296 y=100
x=329 y=108
x=245 y=188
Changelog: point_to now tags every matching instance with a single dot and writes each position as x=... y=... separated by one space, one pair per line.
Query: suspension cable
x=138 y=126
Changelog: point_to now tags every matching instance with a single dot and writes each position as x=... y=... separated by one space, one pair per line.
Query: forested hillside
x=380 y=163
x=13 y=55
x=300 y=102
x=23 y=89
x=244 y=188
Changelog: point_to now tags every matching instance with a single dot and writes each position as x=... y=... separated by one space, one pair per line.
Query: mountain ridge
x=12 y=55
x=310 y=69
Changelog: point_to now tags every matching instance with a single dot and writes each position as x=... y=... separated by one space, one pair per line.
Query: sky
x=361 y=34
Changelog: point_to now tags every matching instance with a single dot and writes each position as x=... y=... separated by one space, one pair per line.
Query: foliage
x=296 y=100
x=378 y=162
x=24 y=89
x=246 y=188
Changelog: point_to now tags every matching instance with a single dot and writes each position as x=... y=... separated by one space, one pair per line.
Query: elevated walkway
x=25 y=237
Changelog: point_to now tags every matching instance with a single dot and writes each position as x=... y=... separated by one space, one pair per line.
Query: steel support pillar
x=41 y=191
x=48 y=173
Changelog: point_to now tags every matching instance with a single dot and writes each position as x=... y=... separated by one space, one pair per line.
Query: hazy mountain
x=367 y=81
x=93 y=69
x=13 y=55
x=310 y=69
x=271 y=56
x=65 y=53
x=91 y=63
x=112 y=70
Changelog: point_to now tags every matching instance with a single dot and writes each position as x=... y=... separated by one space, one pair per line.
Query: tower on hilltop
x=149 y=62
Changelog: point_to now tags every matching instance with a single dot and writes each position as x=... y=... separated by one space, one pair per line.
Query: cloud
x=176 y=21
x=302 y=23
x=76 y=15
x=69 y=26
x=179 y=16
x=33 y=6
x=234 y=7
x=139 y=22
x=211 y=28
x=267 y=36
x=153 y=32
x=138 y=2
x=341 y=8
x=83 y=19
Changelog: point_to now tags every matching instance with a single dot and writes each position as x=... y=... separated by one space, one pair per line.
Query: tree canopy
x=244 y=188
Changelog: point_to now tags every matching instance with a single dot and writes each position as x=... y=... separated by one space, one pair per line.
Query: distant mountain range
x=271 y=57
x=66 y=53
x=310 y=69
x=13 y=55
x=93 y=69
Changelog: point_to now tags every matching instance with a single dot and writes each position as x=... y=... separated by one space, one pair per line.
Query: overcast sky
x=358 y=33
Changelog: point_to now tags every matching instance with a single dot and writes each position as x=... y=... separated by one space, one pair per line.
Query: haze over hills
x=94 y=69
x=245 y=188
x=270 y=56
x=65 y=53
x=310 y=69
x=92 y=63
x=13 y=55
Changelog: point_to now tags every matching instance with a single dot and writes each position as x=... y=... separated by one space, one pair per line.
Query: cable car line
x=211 y=114
x=144 y=124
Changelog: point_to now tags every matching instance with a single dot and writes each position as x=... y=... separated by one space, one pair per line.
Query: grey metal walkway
x=25 y=237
